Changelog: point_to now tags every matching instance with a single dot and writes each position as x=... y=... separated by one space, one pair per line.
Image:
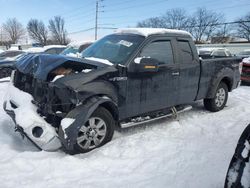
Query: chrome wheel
x=92 y=133
x=220 y=97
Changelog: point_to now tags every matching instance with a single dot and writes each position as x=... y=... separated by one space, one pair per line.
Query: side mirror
x=146 y=64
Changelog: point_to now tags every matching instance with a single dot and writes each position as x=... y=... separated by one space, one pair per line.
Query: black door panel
x=154 y=91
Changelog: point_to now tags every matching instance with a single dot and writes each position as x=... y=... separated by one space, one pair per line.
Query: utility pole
x=1 y=34
x=96 y=18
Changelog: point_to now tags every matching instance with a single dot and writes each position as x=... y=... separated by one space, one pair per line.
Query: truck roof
x=152 y=31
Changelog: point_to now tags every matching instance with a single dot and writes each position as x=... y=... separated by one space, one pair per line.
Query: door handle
x=176 y=73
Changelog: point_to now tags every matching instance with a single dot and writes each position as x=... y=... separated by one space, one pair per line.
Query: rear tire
x=96 y=132
x=220 y=99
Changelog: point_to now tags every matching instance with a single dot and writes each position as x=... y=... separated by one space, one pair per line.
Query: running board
x=174 y=113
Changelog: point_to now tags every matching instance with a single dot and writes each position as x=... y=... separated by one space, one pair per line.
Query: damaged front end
x=28 y=122
x=44 y=90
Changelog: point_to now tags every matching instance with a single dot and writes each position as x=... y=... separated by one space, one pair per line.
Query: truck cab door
x=189 y=71
x=151 y=91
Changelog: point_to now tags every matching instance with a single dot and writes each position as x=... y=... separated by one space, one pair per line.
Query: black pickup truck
x=130 y=77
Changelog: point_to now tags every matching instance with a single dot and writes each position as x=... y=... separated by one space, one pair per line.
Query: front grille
x=49 y=100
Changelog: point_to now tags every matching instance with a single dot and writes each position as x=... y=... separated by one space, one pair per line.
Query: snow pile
x=191 y=151
x=65 y=123
x=151 y=31
x=245 y=181
x=43 y=49
x=246 y=150
x=6 y=79
x=27 y=117
x=104 y=61
x=79 y=43
x=35 y=50
x=57 y=77
x=246 y=60
x=138 y=59
x=54 y=46
x=73 y=55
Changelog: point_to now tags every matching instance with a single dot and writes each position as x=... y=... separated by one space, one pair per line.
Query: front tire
x=220 y=99
x=96 y=132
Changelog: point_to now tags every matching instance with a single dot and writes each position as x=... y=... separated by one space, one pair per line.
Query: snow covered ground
x=192 y=151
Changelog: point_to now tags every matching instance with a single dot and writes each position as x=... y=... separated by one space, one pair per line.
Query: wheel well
x=111 y=108
x=228 y=82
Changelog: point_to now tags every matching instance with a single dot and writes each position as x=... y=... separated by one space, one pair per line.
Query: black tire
x=237 y=170
x=105 y=115
x=212 y=104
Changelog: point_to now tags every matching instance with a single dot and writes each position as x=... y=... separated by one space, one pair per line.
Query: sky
x=79 y=15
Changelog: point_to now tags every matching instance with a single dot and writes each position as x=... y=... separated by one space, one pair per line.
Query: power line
x=82 y=31
x=218 y=24
x=81 y=16
x=194 y=26
x=141 y=5
x=151 y=11
x=97 y=16
x=73 y=10
x=122 y=3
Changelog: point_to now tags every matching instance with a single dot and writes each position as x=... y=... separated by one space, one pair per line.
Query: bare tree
x=204 y=24
x=14 y=30
x=172 y=19
x=37 y=31
x=243 y=29
x=58 y=31
x=155 y=22
x=176 y=19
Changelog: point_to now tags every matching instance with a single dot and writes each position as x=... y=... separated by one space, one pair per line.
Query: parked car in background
x=244 y=54
x=75 y=49
x=10 y=54
x=128 y=78
x=6 y=65
x=238 y=174
x=50 y=49
x=207 y=53
x=245 y=75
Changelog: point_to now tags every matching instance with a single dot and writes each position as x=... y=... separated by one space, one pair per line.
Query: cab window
x=186 y=52
x=159 y=50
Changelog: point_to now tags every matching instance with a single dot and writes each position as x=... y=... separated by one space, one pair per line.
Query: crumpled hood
x=75 y=81
x=40 y=65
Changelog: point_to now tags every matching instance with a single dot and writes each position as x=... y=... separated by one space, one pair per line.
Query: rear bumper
x=29 y=124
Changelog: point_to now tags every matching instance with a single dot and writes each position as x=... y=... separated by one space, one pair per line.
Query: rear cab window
x=186 y=51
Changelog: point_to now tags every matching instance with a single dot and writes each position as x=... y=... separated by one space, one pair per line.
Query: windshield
x=70 y=50
x=114 y=48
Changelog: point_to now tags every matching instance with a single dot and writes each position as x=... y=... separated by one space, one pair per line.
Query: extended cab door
x=189 y=70
x=157 y=90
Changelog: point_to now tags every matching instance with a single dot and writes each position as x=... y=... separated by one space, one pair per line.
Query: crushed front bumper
x=28 y=122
